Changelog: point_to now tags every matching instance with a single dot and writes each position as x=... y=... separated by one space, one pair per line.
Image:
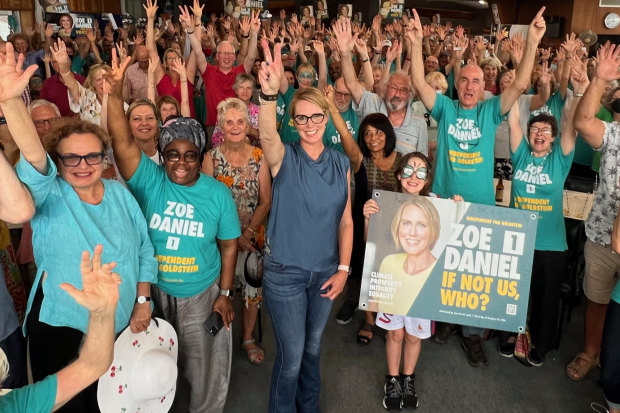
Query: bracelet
x=266 y=102
x=577 y=95
x=188 y=32
x=251 y=231
x=343 y=267
x=268 y=98
x=245 y=36
x=365 y=60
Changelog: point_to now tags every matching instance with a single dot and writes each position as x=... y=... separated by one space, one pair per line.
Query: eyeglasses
x=92 y=159
x=303 y=119
x=399 y=90
x=342 y=95
x=536 y=131
x=306 y=75
x=42 y=122
x=408 y=172
x=226 y=53
x=174 y=156
x=368 y=133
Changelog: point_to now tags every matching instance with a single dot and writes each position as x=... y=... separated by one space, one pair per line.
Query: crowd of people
x=196 y=152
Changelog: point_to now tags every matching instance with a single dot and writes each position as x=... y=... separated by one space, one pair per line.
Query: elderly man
x=466 y=138
x=136 y=76
x=55 y=91
x=43 y=113
x=411 y=133
x=219 y=79
x=431 y=64
x=602 y=264
x=342 y=98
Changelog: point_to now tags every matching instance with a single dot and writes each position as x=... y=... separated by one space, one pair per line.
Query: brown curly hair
x=67 y=126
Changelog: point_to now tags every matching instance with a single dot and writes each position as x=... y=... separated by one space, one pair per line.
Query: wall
x=587 y=17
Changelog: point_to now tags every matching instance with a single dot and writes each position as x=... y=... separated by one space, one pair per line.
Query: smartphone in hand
x=214 y=323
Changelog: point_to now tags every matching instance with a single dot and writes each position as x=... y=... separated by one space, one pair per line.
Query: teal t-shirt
x=38 y=397
x=465 y=144
x=331 y=137
x=288 y=133
x=184 y=223
x=537 y=185
x=553 y=107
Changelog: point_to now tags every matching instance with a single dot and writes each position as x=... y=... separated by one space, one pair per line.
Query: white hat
x=143 y=375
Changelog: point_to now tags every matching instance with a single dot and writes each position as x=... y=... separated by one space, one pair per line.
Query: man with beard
x=342 y=98
x=411 y=133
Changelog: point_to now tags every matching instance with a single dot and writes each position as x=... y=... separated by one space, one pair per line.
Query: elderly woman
x=75 y=209
x=311 y=211
x=541 y=166
x=194 y=227
x=169 y=82
x=167 y=106
x=240 y=166
x=244 y=88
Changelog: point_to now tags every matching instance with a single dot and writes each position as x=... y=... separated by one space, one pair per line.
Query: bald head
x=470 y=85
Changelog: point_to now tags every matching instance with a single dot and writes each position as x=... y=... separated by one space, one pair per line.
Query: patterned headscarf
x=182 y=128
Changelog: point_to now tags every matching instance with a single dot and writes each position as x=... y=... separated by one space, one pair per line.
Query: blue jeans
x=298 y=314
x=610 y=356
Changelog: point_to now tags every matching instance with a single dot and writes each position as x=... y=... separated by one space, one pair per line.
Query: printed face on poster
x=321 y=10
x=241 y=8
x=70 y=24
x=449 y=261
x=345 y=10
x=54 y=6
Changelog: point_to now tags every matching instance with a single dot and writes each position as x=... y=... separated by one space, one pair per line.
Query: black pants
x=14 y=346
x=53 y=348
x=547 y=273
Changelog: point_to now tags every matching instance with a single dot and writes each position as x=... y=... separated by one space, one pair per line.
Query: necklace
x=538 y=167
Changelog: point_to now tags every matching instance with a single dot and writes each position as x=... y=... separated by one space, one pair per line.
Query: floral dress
x=243 y=183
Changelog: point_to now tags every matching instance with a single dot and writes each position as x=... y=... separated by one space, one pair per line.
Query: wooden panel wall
x=587 y=17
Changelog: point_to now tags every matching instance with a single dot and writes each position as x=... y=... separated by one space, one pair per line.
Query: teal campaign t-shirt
x=288 y=133
x=184 y=223
x=537 y=185
x=465 y=145
x=553 y=107
x=331 y=137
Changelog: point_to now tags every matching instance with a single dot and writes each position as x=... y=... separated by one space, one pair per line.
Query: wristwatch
x=142 y=299
x=227 y=293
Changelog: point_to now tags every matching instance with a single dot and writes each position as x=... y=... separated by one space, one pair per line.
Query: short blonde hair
x=439 y=78
x=232 y=103
x=429 y=211
x=312 y=95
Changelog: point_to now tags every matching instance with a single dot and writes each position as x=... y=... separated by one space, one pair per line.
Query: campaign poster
x=321 y=10
x=345 y=10
x=241 y=8
x=54 y=6
x=392 y=9
x=306 y=13
x=455 y=262
x=70 y=24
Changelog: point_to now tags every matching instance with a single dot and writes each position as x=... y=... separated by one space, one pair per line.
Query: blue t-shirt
x=38 y=397
x=309 y=197
x=64 y=226
x=465 y=144
x=537 y=185
x=184 y=223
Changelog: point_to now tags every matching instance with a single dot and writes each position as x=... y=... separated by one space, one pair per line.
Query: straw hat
x=143 y=374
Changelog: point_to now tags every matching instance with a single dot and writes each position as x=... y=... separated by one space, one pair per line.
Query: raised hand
x=92 y=37
x=608 y=68
x=318 y=47
x=138 y=38
x=245 y=25
x=185 y=18
x=59 y=53
x=394 y=52
x=179 y=68
x=271 y=70
x=329 y=93
x=48 y=29
x=99 y=293
x=255 y=21
x=12 y=80
x=344 y=38
x=115 y=75
x=537 y=28
x=460 y=31
x=545 y=74
x=545 y=54
x=570 y=44
x=151 y=9
x=415 y=32
x=122 y=52
x=197 y=11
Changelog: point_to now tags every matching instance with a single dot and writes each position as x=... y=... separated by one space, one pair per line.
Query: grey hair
x=243 y=77
x=232 y=103
x=219 y=46
x=42 y=102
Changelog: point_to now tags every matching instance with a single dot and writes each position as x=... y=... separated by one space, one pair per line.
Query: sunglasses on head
x=408 y=172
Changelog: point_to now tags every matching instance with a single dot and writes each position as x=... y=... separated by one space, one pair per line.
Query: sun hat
x=143 y=374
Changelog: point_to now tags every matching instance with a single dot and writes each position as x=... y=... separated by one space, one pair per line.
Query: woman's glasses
x=92 y=159
x=174 y=156
x=408 y=172
x=303 y=119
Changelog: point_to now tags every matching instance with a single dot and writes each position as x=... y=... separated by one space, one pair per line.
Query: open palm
x=12 y=81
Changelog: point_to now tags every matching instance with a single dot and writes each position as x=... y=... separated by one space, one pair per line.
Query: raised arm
x=522 y=77
x=12 y=85
x=151 y=91
x=16 y=204
x=586 y=123
x=248 y=62
x=269 y=77
x=193 y=27
x=346 y=43
x=415 y=36
x=151 y=12
x=351 y=148
x=543 y=92
x=178 y=67
x=59 y=52
x=362 y=52
x=579 y=80
x=127 y=153
x=516 y=133
x=320 y=51
x=99 y=294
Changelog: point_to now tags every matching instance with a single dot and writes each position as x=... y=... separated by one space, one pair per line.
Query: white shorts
x=417 y=327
